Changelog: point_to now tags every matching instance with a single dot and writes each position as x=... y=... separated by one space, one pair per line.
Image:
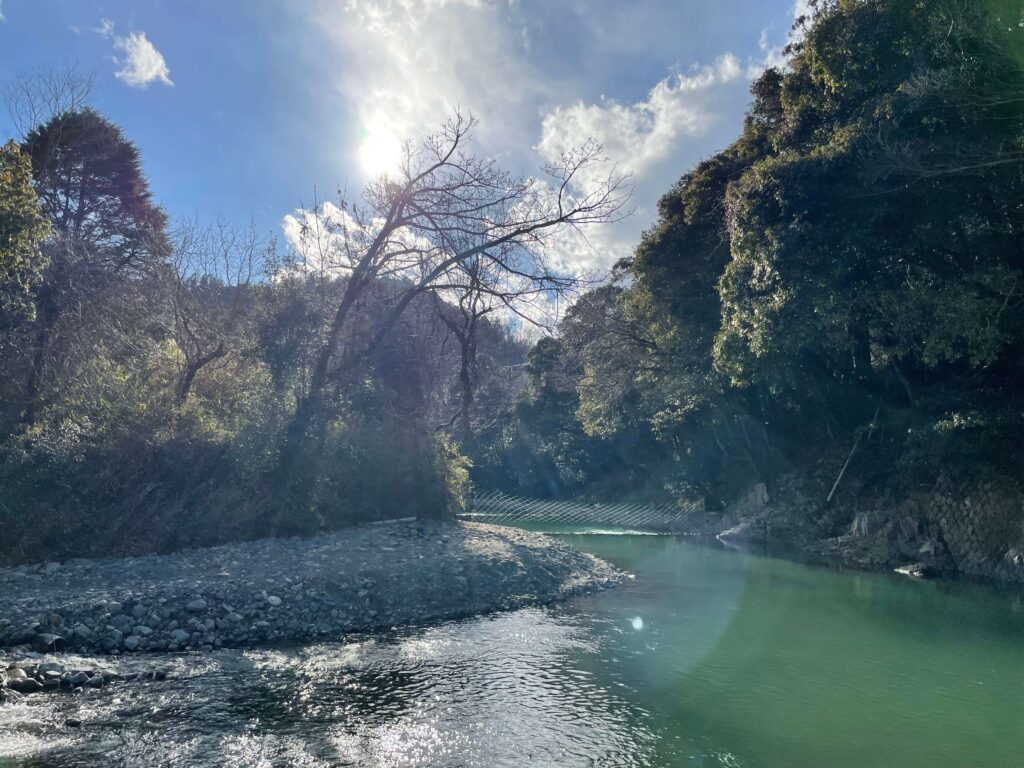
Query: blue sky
x=245 y=107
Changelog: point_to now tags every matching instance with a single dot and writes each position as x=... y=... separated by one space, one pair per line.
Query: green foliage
x=857 y=247
x=101 y=453
x=22 y=230
x=856 y=250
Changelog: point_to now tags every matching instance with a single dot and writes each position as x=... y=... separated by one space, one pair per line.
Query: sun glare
x=379 y=153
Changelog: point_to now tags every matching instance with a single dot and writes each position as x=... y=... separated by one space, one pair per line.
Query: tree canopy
x=856 y=249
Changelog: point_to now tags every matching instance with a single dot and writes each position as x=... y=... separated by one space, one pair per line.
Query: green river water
x=708 y=657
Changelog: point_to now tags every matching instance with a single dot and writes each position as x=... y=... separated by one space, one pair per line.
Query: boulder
x=112 y=640
x=9 y=696
x=48 y=643
x=180 y=636
x=25 y=685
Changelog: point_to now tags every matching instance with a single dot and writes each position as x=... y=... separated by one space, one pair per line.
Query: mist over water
x=708 y=658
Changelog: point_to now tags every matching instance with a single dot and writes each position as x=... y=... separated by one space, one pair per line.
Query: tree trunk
x=193 y=367
x=33 y=386
x=466 y=386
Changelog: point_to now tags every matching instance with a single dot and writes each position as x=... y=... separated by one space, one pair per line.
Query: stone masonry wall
x=981 y=522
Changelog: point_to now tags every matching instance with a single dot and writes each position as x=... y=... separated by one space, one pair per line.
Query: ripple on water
x=709 y=659
x=481 y=692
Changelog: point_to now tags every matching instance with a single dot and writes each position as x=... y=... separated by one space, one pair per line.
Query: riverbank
x=959 y=524
x=289 y=590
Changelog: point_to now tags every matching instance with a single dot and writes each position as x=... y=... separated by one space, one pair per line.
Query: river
x=709 y=658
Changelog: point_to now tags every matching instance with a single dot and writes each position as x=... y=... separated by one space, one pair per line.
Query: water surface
x=709 y=658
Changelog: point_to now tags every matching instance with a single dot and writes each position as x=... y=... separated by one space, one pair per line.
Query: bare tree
x=444 y=208
x=213 y=269
x=36 y=97
x=462 y=321
x=477 y=289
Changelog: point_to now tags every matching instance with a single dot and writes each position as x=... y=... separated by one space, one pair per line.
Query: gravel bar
x=289 y=590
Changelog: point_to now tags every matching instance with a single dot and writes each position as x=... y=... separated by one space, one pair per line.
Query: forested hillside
x=849 y=269
x=178 y=383
x=838 y=288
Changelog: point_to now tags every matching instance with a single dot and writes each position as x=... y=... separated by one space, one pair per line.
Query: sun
x=379 y=153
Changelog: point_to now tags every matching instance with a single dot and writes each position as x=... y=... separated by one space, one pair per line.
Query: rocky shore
x=958 y=525
x=279 y=591
x=28 y=672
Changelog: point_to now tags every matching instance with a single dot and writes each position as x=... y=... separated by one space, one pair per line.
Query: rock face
x=971 y=525
x=290 y=590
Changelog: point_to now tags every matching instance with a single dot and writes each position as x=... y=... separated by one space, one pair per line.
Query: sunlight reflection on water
x=709 y=658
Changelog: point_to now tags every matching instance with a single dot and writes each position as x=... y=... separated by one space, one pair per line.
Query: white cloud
x=142 y=63
x=328 y=239
x=2 y=10
x=772 y=56
x=653 y=139
x=639 y=135
x=402 y=65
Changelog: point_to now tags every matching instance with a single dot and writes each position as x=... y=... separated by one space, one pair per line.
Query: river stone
x=274 y=600
x=180 y=636
x=9 y=696
x=196 y=605
x=47 y=642
x=139 y=611
x=112 y=640
x=25 y=685
x=15 y=673
x=80 y=678
x=132 y=642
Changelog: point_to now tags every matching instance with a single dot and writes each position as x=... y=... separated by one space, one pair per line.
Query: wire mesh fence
x=499 y=507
